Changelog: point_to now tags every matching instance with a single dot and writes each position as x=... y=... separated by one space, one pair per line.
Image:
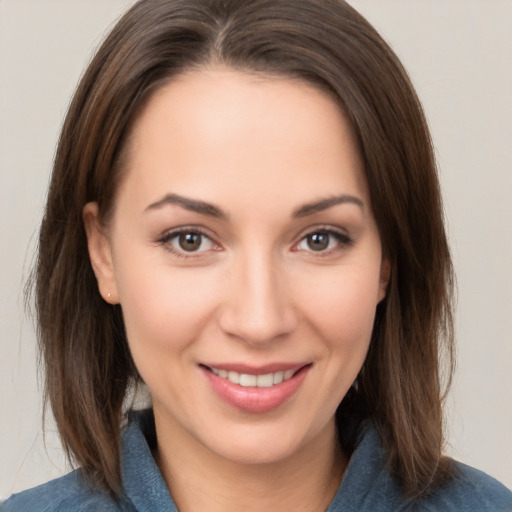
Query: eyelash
x=342 y=239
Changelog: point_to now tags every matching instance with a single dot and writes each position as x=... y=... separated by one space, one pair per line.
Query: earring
x=109 y=295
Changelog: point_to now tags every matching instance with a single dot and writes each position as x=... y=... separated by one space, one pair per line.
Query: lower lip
x=254 y=399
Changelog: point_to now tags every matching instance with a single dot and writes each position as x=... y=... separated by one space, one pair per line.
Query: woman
x=237 y=219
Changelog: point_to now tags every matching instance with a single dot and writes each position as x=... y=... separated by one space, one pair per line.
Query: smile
x=256 y=390
x=260 y=381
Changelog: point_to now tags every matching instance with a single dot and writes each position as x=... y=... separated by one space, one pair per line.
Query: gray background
x=459 y=55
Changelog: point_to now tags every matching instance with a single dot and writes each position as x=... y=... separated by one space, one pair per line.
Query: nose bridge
x=258 y=308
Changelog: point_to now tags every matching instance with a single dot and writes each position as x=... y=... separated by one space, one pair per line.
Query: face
x=246 y=259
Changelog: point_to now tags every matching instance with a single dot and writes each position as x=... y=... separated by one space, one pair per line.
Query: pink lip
x=254 y=399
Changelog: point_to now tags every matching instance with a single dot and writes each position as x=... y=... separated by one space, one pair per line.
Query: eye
x=187 y=242
x=323 y=241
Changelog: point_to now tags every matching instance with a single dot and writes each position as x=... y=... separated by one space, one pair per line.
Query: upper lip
x=256 y=370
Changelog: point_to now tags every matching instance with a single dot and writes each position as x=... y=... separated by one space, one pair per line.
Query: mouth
x=256 y=390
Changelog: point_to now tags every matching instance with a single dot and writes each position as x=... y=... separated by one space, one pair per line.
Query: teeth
x=278 y=377
x=247 y=380
x=288 y=374
x=234 y=377
x=265 y=381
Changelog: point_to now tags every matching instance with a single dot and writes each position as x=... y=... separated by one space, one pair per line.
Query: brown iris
x=318 y=241
x=190 y=241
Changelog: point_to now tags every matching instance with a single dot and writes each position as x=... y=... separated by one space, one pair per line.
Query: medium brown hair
x=88 y=367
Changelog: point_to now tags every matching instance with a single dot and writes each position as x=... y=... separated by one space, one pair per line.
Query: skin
x=256 y=291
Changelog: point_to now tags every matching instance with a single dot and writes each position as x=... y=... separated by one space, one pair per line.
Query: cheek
x=341 y=305
x=164 y=308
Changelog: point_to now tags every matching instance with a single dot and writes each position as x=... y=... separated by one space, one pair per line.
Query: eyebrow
x=324 y=204
x=189 y=204
x=211 y=210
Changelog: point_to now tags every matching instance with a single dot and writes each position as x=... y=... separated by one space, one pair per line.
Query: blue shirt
x=366 y=485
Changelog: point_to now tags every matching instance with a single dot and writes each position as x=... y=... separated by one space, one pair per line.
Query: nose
x=257 y=308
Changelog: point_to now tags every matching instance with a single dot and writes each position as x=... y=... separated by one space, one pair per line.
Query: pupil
x=190 y=241
x=318 y=241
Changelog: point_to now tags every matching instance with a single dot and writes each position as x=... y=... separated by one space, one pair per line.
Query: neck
x=200 y=480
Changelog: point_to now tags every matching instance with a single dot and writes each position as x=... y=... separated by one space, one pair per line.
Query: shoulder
x=69 y=493
x=72 y=493
x=470 y=490
x=368 y=485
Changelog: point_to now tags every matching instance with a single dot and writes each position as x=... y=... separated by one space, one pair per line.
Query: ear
x=100 y=253
x=385 y=274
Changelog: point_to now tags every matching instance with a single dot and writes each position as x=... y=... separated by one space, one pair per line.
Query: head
x=325 y=46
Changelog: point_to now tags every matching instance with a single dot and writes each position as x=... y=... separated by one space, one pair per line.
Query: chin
x=254 y=452
x=250 y=444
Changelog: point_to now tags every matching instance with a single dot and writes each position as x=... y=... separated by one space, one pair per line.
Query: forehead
x=213 y=129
